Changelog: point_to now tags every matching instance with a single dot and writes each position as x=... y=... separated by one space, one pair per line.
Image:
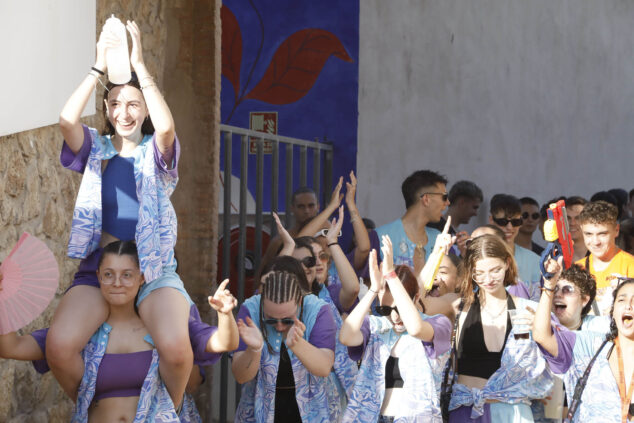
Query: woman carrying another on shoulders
x=286 y=352
x=598 y=370
x=129 y=172
x=496 y=374
x=123 y=380
x=396 y=380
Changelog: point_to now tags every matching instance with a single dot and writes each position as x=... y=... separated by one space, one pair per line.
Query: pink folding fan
x=29 y=279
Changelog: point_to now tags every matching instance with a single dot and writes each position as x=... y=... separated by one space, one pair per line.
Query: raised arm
x=245 y=364
x=69 y=118
x=350 y=334
x=318 y=361
x=414 y=324
x=287 y=239
x=226 y=338
x=157 y=107
x=361 y=237
x=318 y=222
x=542 y=328
x=444 y=241
x=347 y=275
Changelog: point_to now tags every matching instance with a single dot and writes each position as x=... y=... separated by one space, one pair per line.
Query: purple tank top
x=119 y=202
x=122 y=375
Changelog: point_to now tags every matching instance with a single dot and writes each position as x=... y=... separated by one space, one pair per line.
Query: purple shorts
x=87 y=272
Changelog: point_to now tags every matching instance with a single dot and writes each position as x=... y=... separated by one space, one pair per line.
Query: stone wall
x=37 y=195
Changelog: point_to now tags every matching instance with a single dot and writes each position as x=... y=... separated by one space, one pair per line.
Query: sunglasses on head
x=384 y=310
x=503 y=221
x=309 y=261
x=565 y=290
x=533 y=216
x=324 y=233
x=445 y=196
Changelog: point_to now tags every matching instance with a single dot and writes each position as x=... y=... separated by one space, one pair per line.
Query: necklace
x=625 y=397
x=494 y=316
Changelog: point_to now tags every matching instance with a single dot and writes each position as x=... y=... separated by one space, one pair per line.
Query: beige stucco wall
x=37 y=195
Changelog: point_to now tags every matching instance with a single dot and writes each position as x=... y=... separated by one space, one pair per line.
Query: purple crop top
x=119 y=201
x=122 y=375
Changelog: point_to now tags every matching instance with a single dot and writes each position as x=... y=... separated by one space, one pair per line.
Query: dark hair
x=369 y=223
x=621 y=196
x=613 y=330
x=631 y=194
x=626 y=232
x=544 y=209
x=456 y=260
x=465 y=189
x=147 y=128
x=498 y=232
x=583 y=280
x=307 y=242
x=484 y=246
x=506 y=203
x=302 y=190
x=278 y=287
x=120 y=248
x=576 y=200
x=598 y=212
x=407 y=278
x=529 y=200
x=608 y=198
x=286 y=264
x=416 y=181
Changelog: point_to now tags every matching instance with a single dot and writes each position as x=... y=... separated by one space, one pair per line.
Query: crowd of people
x=416 y=321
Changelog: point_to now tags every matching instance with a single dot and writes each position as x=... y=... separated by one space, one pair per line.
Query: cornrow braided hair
x=279 y=287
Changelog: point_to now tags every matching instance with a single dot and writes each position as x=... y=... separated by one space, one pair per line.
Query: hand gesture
x=461 y=241
x=336 y=197
x=287 y=239
x=106 y=40
x=335 y=227
x=351 y=190
x=554 y=267
x=222 y=301
x=388 y=255
x=444 y=241
x=250 y=334
x=295 y=333
x=376 y=277
x=136 y=55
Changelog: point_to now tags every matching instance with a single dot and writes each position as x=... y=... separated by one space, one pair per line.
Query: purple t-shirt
x=565 y=346
x=322 y=335
x=439 y=345
x=199 y=334
x=77 y=162
x=334 y=289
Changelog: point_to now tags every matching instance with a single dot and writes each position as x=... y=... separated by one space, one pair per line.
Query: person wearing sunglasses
x=122 y=379
x=496 y=374
x=530 y=221
x=286 y=353
x=506 y=214
x=400 y=349
x=598 y=369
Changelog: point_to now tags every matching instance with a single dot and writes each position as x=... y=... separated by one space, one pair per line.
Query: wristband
x=544 y=288
x=391 y=275
x=99 y=71
x=93 y=73
x=333 y=243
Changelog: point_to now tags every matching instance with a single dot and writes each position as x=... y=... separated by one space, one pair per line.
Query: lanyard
x=625 y=397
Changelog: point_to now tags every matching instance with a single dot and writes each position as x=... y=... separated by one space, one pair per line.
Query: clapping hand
x=250 y=334
x=335 y=228
x=376 y=277
x=295 y=333
x=388 y=255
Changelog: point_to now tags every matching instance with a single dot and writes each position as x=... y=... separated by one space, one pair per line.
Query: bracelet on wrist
x=143 y=87
x=391 y=275
x=99 y=71
x=545 y=288
x=333 y=243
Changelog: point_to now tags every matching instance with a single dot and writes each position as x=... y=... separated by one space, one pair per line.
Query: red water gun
x=557 y=233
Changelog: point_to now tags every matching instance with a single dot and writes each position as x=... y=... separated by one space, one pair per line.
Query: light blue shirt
x=404 y=247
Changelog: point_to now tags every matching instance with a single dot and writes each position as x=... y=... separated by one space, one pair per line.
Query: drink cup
x=521 y=320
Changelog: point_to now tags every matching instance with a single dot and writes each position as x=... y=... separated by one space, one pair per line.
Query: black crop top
x=393 y=377
x=474 y=359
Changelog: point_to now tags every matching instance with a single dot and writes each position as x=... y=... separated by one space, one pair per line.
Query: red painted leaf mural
x=231 y=48
x=296 y=65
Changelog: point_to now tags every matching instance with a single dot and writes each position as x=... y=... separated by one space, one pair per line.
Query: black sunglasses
x=533 y=216
x=503 y=221
x=445 y=196
x=383 y=310
x=286 y=321
x=309 y=261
